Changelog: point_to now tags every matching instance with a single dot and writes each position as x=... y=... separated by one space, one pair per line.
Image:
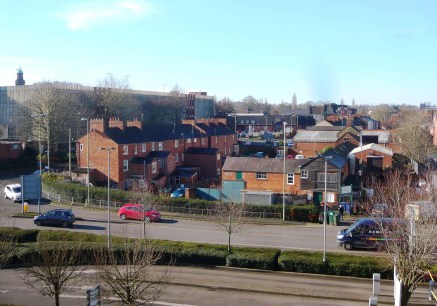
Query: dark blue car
x=57 y=217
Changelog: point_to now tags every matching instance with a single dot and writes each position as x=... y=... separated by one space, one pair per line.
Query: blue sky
x=371 y=51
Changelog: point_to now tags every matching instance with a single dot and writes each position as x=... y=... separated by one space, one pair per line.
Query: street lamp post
x=39 y=151
x=284 y=178
x=324 y=208
x=87 y=159
x=109 y=195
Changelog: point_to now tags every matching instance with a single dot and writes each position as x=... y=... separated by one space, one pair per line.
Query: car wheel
x=64 y=224
x=38 y=223
x=348 y=246
x=123 y=217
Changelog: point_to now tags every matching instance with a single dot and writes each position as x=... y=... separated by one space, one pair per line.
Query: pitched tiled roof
x=316 y=136
x=339 y=154
x=383 y=135
x=212 y=129
x=254 y=164
x=373 y=146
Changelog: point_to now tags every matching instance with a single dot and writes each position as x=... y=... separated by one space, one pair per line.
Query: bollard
x=376 y=284
x=373 y=301
x=431 y=289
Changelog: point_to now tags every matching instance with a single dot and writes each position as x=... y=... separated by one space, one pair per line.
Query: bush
x=9 y=234
x=336 y=264
x=265 y=259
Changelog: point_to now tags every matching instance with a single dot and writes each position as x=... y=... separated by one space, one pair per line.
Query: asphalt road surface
x=285 y=237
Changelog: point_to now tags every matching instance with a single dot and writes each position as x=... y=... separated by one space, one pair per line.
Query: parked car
x=13 y=192
x=138 y=212
x=178 y=193
x=57 y=217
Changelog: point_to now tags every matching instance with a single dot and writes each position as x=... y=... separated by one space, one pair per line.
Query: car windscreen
x=356 y=225
x=16 y=189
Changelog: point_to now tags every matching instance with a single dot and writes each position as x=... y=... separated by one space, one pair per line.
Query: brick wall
x=273 y=182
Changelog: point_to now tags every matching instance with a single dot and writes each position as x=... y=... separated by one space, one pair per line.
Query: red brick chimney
x=97 y=125
x=117 y=123
x=135 y=123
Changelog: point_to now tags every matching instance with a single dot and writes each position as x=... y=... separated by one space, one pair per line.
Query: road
x=285 y=237
x=223 y=286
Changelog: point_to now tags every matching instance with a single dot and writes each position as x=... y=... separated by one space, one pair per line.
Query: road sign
x=30 y=187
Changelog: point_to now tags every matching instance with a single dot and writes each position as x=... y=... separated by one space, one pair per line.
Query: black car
x=57 y=217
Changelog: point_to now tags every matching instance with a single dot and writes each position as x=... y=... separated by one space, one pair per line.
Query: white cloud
x=90 y=14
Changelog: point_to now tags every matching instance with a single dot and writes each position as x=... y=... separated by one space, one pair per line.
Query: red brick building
x=148 y=154
x=10 y=150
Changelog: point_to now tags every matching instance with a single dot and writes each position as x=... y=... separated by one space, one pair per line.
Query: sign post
x=93 y=296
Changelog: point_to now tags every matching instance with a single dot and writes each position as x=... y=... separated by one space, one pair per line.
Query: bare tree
x=229 y=217
x=128 y=273
x=416 y=139
x=114 y=99
x=224 y=106
x=54 y=269
x=409 y=237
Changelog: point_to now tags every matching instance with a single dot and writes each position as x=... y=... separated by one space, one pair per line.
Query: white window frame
x=160 y=146
x=136 y=149
x=125 y=165
x=332 y=177
x=304 y=174
x=195 y=139
x=154 y=167
x=330 y=197
x=261 y=175
x=125 y=150
x=153 y=146
x=216 y=140
x=218 y=156
x=226 y=138
x=290 y=178
x=188 y=140
x=176 y=143
x=143 y=147
x=176 y=157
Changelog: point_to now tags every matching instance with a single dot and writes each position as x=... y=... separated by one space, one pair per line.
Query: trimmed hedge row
x=14 y=234
x=190 y=253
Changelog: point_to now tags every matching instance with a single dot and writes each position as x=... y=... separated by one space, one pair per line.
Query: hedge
x=335 y=264
x=191 y=253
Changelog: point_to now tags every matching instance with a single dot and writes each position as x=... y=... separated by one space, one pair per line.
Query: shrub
x=265 y=259
x=18 y=235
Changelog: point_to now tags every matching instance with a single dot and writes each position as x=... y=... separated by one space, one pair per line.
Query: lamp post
x=324 y=209
x=39 y=151
x=87 y=158
x=109 y=196
x=283 y=181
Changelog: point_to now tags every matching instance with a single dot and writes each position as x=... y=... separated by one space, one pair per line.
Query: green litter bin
x=337 y=219
x=331 y=216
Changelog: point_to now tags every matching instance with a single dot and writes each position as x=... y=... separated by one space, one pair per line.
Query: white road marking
x=3 y=291
x=115 y=299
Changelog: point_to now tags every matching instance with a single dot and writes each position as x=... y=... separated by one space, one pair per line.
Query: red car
x=138 y=212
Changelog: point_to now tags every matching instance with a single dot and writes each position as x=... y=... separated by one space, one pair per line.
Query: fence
x=101 y=204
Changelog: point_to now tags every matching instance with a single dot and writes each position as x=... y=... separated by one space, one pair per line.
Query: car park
x=138 y=212
x=178 y=193
x=57 y=217
x=13 y=192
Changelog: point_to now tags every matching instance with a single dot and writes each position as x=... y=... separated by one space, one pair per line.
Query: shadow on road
x=89 y=227
x=168 y=221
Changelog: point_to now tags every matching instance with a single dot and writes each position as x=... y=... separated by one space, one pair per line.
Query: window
x=143 y=147
x=160 y=146
x=304 y=174
x=81 y=146
x=154 y=170
x=125 y=150
x=182 y=157
x=141 y=183
x=239 y=175
x=160 y=163
x=125 y=165
x=176 y=143
x=195 y=139
x=188 y=140
x=346 y=139
x=330 y=197
x=218 y=156
x=290 y=178
x=261 y=175
x=218 y=171
x=176 y=157
x=136 y=149
x=153 y=146
x=225 y=150
x=331 y=177
x=226 y=138
x=216 y=140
